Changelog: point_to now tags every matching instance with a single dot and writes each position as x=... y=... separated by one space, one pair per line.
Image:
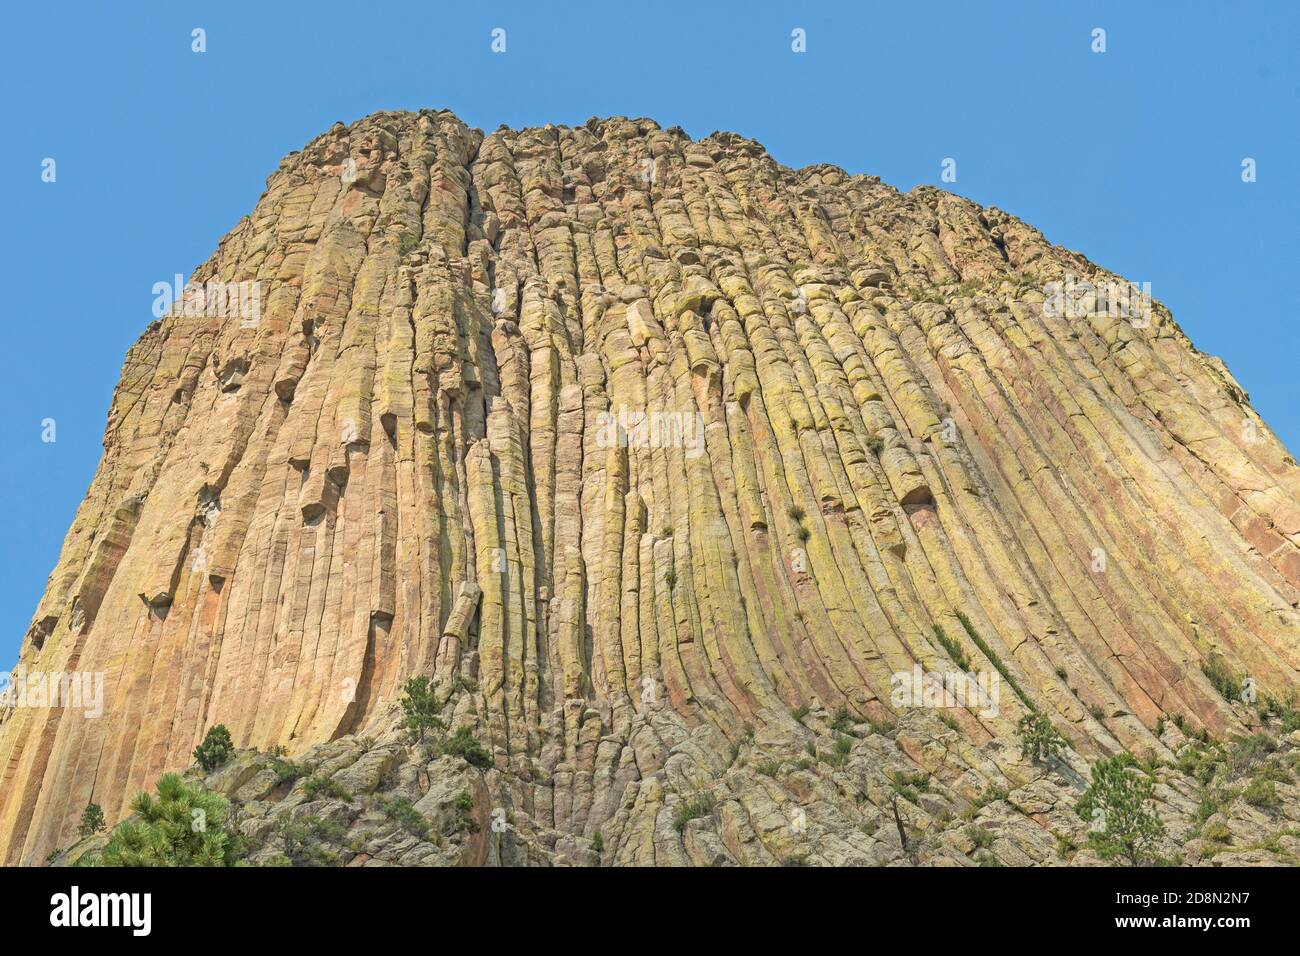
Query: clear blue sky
x=1132 y=157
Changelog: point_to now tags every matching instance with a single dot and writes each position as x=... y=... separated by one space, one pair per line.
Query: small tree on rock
x=1118 y=803
x=215 y=749
x=1039 y=740
x=92 y=820
x=421 y=707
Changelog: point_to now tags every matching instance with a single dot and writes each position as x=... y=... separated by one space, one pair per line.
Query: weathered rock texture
x=406 y=469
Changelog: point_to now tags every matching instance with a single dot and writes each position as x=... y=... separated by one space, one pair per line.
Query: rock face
x=665 y=461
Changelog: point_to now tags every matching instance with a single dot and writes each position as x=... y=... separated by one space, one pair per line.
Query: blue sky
x=1132 y=156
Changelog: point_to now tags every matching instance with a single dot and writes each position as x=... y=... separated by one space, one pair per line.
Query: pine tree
x=421 y=707
x=215 y=749
x=92 y=820
x=1118 y=802
x=183 y=825
x=1039 y=740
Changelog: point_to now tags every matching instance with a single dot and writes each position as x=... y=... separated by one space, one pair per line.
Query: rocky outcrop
x=662 y=459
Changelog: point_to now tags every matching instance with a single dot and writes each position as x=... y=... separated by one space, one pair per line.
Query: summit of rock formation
x=672 y=467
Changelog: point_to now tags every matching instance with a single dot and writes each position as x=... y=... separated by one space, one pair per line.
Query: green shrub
x=1275 y=772
x=464 y=821
x=598 y=843
x=1039 y=740
x=843 y=721
x=920 y=780
x=302 y=841
x=910 y=794
x=992 y=657
x=421 y=707
x=402 y=812
x=954 y=650
x=1261 y=792
x=317 y=787
x=1201 y=760
x=699 y=804
x=1247 y=752
x=980 y=836
x=1290 y=720
x=422 y=712
x=286 y=771
x=910 y=786
x=92 y=820
x=1284 y=710
x=215 y=749
x=768 y=768
x=990 y=795
x=183 y=825
x=1217 y=832
x=1149 y=762
x=840 y=755
x=464 y=745
x=1213 y=799
x=883 y=727
x=1221 y=678
x=799 y=713
x=1119 y=805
